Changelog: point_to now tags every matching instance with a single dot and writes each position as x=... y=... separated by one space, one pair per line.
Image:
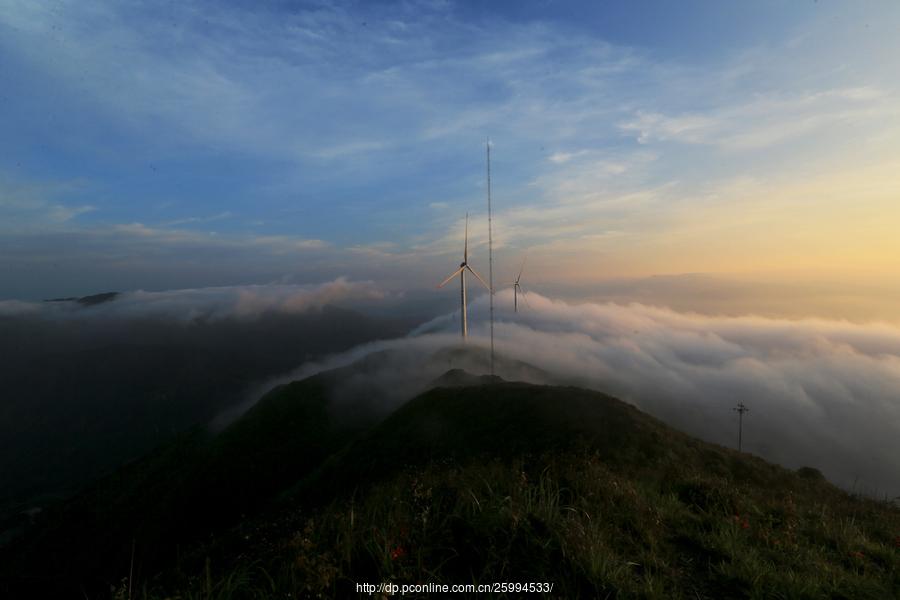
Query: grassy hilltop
x=476 y=480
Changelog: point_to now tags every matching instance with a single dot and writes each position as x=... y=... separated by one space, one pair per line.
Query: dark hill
x=202 y=483
x=194 y=486
x=81 y=396
x=468 y=417
x=95 y=299
x=477 y=480
x=496 y=481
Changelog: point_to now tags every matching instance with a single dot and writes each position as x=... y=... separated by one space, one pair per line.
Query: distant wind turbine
x=463 y=267
x=518 y=289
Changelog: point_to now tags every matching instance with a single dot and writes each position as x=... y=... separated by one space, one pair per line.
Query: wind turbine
x=461 y=271
x=517 y=288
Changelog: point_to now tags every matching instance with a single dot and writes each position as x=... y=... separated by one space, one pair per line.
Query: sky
x=165 y=145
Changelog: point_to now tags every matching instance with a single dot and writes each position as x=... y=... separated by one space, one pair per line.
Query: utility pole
x=490 y=251
x=740 y=409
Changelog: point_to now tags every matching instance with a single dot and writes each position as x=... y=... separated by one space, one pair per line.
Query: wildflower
x=398 y=553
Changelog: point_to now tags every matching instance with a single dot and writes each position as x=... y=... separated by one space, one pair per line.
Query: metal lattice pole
x=490 y=252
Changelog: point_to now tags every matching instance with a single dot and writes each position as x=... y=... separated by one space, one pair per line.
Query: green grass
x=504 y=482
x=197 y=486
x=586 y=493
x=588 y=528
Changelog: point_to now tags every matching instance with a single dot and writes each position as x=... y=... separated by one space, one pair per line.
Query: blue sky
x=161 y=145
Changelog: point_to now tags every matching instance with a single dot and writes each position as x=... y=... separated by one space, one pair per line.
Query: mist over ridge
x=89 y=384
x=207 y=303
x=822 y=392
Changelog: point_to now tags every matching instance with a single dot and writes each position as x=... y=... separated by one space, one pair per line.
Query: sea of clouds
x=821 y=393
x=210 y=303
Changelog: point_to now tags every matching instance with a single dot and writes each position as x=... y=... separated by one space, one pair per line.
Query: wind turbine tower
x=461 y=271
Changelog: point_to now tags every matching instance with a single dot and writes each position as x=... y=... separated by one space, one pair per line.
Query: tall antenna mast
x=490 y=251
x=740 y=409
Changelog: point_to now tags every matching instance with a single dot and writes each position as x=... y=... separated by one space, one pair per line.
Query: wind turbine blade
x=446 y=281
x=466 y=243
x=522 y=268
x=471 y=270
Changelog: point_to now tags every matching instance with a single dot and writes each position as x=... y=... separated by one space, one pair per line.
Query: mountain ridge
x=280 y=483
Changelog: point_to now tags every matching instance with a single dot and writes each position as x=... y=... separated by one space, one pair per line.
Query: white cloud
x=564 y=157
x=16 y=308
x=188 y=305
x=765 y=121
x=165 y=236
x=188 y=220
x=29 y=206
x=278 y=88
x=821 y=393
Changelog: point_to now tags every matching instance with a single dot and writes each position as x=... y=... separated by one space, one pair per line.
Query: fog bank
x=821 y=393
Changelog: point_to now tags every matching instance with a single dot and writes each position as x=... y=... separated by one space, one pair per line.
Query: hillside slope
x=82 y=395
x=489 y=481
x=195 y=486
x=476 y=480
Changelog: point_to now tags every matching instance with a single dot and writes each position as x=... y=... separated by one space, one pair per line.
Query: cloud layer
x=188 y=305
x=821 y=393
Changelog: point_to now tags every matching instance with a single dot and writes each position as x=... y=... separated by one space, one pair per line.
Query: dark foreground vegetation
x=474 y=481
